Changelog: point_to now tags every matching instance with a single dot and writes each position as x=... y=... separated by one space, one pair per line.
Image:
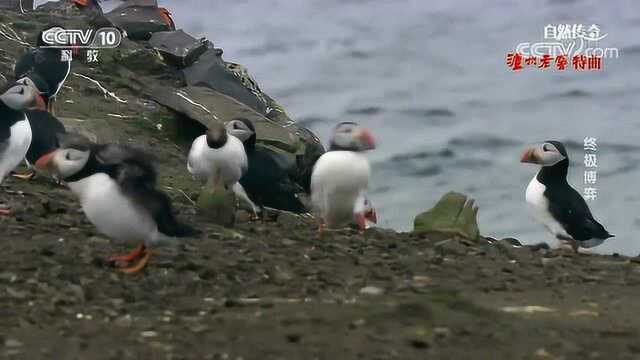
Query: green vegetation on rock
x=453 y=214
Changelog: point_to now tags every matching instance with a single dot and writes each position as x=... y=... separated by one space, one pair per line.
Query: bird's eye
x=68 y=156
x=546 y=147
x=22 y=91
x=236 y=126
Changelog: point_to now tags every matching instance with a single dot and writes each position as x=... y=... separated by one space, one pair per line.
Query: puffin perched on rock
x=268 y=180
x=48 y=63
x=220 y=157
x=15 y=132
x=555 y=203
x=340 y=178
x=116 y=185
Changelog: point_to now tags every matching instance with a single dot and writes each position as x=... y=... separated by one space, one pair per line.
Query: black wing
x=45 y=129
x=572 y=212
x=132 y=176
x=141 y=170
x=268 y=182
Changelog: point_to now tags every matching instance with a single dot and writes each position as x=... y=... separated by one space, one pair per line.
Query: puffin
x=47 y=63
x=557 y=205
x=46 y=130
x=220 y=157
x=116 y=186
x=268 y=181
x=45 y=127
x=340 y=178
x=15 y=131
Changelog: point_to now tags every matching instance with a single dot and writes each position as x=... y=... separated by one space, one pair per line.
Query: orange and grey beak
x=45 y=161
x=371 y=215
x=367 y=139
x=531 y=155
x=38 y=101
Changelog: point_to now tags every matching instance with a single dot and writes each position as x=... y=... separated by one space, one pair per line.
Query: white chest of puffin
x=15 y=131
x=340 y=177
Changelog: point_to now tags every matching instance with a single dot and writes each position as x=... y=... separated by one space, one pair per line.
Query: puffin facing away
x=340 y=178
x=116 y=185
x=219 y=156
x=48 y=64
x=555 y=203
x=15 y=132
x=268 y=179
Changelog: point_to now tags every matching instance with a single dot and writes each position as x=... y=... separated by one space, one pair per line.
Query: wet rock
x=16 y=294
x=451 y=247
x=371 y=290
x=124 y=321
x=454 y=214
x=12 y=343
x=294 y=338
x=288 y=242
x=290 y=220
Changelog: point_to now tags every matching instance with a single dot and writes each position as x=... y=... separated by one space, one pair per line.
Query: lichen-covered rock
x=454 y=214
x=217 y=204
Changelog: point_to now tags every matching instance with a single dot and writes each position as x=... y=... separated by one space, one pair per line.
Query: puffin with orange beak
x=116 y=186
x=555 y=203
x=45 y=127
x=15 y=131
x=340 y=179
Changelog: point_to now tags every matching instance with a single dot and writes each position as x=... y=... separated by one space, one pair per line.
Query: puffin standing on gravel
x=48 y=63
x=340 y=178
x=15 y=131
x=268 y=180
x=116 y=185
x=555 y=203
x=220 y=157
x=45 y=128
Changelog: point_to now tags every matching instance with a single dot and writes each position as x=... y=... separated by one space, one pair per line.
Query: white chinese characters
x=590 y=146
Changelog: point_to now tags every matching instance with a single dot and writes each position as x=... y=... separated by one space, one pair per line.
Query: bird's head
x=20 y=96
x=548 y=153
x=68 y=159
x=241 y=128
x=351 y=136
x=216 y=135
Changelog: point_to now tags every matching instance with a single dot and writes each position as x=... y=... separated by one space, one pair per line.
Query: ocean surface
x=429 y=79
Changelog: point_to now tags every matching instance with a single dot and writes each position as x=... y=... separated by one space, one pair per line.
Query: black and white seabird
x=45 y=127
x=48 y=64
x=45 y=130
x=116 y=185
x=268 y=180
x=555 y=203
x=340 y=178
x=15 y=132
x=220 y=157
